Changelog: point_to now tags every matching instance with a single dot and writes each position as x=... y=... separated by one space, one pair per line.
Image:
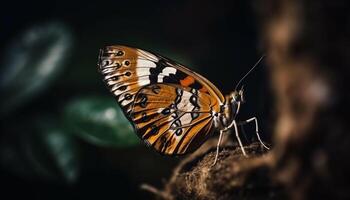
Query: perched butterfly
x=173 y=109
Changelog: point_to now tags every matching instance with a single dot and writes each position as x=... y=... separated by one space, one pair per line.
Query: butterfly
x=172 y=108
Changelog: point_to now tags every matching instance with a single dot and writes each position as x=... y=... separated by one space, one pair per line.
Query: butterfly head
x=232 y=106
x=237 y=96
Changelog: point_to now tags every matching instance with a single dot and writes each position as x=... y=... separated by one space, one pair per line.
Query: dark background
x=218 y=39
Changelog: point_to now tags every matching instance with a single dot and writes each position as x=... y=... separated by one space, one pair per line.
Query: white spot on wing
x=118 y=92
x=186 y=119
x=142 y=72
x=185 y=104
x=168 y=70
x=142 y=82
x=126 y=102
x=160 y=78
x=111 y=82
x=121 y=97
x=145 y=63
x=108 y=70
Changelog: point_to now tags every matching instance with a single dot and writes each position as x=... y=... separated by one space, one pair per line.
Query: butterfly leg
x=237 y=136
x=256 y=129
x=234 y=124
x=218 y=147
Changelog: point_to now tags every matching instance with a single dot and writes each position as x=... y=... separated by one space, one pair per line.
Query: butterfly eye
x=120 y=53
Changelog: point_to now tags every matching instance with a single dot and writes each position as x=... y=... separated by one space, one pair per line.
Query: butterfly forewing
x=170 y=106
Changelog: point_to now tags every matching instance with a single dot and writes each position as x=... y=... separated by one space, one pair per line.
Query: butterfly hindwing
x=172 y=119
x=169 y=105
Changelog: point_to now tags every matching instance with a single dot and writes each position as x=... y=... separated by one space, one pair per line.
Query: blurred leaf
x=100 y=121
x=63 y=150
x=31 y=62
x=45 y=152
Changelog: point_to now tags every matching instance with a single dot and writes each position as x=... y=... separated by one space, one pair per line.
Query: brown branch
x=308 y=54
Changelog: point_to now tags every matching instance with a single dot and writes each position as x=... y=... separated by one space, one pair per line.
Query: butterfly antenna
x=255 y=65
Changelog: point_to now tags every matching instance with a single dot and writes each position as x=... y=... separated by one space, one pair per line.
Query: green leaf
x=45 y=152
x=31 y=62
x=100 y=120
x=62 y=149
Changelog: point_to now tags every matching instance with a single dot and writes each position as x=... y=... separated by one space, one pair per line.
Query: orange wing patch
x=203 y=89
x=187 y=81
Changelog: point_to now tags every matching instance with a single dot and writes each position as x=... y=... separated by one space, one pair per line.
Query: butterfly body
x=173 y=109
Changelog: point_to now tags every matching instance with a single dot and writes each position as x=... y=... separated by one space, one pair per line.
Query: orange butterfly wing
x=170 y=106
x=172 y=119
